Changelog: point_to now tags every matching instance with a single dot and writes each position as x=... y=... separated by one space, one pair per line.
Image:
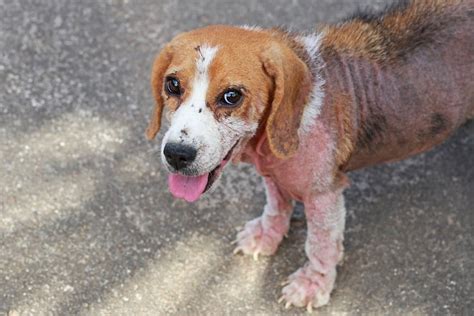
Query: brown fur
x=292 y=84
x=390 y=35
x=162 y=61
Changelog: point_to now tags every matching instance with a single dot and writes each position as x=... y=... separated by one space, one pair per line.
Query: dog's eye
x=230 y=98
x=172 y=86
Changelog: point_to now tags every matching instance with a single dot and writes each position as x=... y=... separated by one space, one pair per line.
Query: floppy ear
x=292 y=86
x=160 y=65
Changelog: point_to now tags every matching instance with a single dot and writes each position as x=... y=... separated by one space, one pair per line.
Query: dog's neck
x=307 y=48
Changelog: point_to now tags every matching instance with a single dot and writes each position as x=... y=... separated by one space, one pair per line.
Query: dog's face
x=218 y=85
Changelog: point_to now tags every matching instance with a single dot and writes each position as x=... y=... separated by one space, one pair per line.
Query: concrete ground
x=87 y=225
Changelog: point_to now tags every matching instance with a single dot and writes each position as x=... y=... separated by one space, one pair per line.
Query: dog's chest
x=310 y=169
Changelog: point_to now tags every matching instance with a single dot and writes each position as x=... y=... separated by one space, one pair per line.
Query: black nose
x=179 y=156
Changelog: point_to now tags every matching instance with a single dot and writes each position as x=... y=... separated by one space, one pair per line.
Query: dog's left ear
x=292 y=87
x=160 y=65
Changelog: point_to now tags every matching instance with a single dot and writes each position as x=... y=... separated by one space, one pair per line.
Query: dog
x=305 y=109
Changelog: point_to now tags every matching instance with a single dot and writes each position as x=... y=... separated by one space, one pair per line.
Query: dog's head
x=219 y=84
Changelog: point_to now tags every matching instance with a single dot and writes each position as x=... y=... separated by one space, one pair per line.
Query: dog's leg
x=263 y=234
x=312 y=284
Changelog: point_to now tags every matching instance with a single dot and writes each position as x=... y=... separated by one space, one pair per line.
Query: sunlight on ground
x=52 y=169
x=45 y=299
x=170 y=280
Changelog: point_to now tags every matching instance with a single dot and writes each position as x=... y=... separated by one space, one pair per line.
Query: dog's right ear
x=160 y=65
x=292 y=87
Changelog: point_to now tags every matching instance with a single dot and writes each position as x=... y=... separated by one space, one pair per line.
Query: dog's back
x=409 y=74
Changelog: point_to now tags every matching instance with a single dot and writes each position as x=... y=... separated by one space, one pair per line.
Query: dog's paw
x=256 y=240
x=309 y=288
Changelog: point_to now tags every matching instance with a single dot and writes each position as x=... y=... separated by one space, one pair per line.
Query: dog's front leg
x=312 y=284
x=263 y=234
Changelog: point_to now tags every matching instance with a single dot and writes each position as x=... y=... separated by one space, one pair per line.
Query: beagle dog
x=307 y=108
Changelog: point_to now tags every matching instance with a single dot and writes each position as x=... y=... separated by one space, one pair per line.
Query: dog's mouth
x=191 y=188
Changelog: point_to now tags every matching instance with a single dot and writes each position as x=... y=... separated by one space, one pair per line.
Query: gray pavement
x=87 y=225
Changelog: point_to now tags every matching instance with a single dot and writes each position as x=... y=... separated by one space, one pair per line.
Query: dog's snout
x=179 y=156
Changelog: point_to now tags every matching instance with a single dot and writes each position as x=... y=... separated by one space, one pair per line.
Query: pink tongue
x=188 y=188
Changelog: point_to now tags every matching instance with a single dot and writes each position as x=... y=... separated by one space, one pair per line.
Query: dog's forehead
x=237 y=48
x=223 y=35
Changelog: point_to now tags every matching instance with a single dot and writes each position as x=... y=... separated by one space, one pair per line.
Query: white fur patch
x=251 y=27
x=205 y=56
x=311 y=43
x=193 y=122
x=201 y=81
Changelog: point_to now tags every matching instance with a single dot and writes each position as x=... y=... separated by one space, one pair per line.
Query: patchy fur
x=312 y=109
x=397 y=31
x=262 y=235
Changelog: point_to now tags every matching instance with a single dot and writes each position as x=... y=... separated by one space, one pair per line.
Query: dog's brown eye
x=230 y=98
x=173 y=86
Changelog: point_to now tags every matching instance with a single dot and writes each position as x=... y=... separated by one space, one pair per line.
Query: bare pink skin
x=307 y=177
x=312 y=284
x=263 y=234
